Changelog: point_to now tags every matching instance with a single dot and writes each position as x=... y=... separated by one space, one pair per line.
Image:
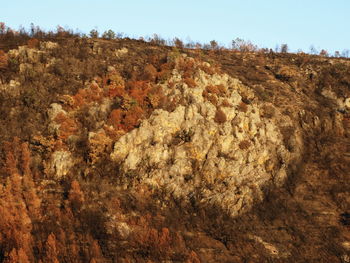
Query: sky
x=299 y=23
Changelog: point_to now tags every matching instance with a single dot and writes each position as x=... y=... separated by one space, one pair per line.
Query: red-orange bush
x=33 y=43
x=3 y=60
x=76 y=196
x=190 y=82
x=150 y=73
x=193 y=258
x=245 y=144
x=226 y=103
x=68 y=126
x=84 y=96
x=116 y=118
x=220 y=116
x=132 y=118
x=187 y=66
x=242 y=107
x=139 y=91
x=117 y=91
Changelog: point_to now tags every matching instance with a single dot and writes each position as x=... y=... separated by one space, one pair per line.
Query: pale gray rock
x=187 y=150
x=60 y=163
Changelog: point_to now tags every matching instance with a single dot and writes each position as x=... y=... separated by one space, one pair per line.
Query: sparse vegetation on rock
x=120 y=150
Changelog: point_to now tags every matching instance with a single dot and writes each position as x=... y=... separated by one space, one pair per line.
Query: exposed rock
x=12 y=88
x=121 y=52
x=269 y=247
x=52 y=113
x=212 y=160
x=47 y=45
x=60 y=163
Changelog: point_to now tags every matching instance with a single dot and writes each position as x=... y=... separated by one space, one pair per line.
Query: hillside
x=128 y=151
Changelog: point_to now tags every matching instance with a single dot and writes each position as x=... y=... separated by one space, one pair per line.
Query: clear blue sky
x=299 y=23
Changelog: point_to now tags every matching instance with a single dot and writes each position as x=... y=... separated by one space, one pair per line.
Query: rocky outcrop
x=212 y=145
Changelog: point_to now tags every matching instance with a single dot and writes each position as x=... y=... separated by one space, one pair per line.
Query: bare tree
x=345 y=53
x=324 y=53
x=284 y=48
x=94 y=33
x=313 y=50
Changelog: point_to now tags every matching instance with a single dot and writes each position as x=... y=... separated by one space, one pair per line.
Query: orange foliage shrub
x=12 y=152
x=171 y=84
x=220 y=116
x=222 y=89
x=158 y=242
x=165 y=71
x=243 y=145
x=139 y=91
x=3 y=60
x=68 y=126
x=17 y=256
x=208 y=70
x=126 y=120
x=193 y=258
x=242 y=107
x=150 y=73
x=187 y=66
x=51 y=249
x=76 y=196
x=15 y=223
x=226 y=103
x=117 y=91
x=25 y=158
x=212 y=89
x=213 y=99
x=79 y=99
x=84 y=96
x=164 y=238
x=217 y=89
x=156 y=97
x=190 y=82
x=33 y=43
x=132 y=118
x=210 y=97
x=116 y=118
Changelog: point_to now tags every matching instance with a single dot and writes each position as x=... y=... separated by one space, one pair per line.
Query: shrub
x=213 y=99
x=178 y=43
x=109 y=34
x=116 y=117
x=284 y=48
x=243 y=145
x=68 y=126
x=3 y=60
x=243 y=46
x=220 y=116
x=212 y=89
x=226 y=103
x=139 y=90
x=150 y=73
x=214 y=45
x=94 y=33
x=33 y=43
x=133 y=117
x=190 y=82
x=117 y=91
x=242 y=107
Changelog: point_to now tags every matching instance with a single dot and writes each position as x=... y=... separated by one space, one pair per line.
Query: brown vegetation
x=95 y=214
x=220 y=116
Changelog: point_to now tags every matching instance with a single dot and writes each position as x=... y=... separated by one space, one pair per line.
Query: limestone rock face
x=225 y=160
x=60 y=163
x=12 y=88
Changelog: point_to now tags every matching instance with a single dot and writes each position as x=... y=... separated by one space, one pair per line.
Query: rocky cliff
x=123 y=151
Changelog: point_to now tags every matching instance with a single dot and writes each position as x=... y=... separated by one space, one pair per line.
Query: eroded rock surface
x=190 y=151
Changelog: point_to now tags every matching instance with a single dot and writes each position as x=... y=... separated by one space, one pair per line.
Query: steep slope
x=123 y=151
